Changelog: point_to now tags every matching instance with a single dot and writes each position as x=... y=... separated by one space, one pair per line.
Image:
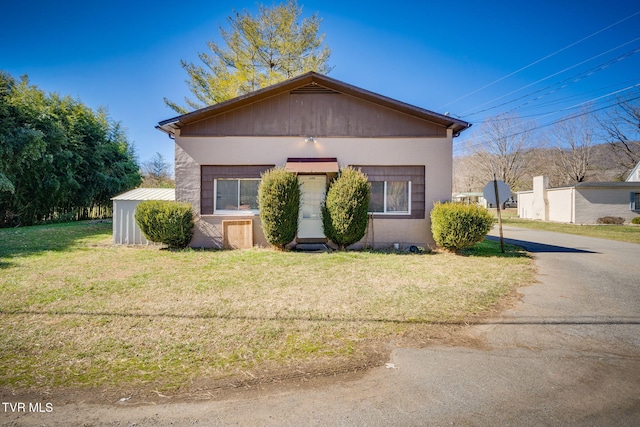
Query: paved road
x=569 y=354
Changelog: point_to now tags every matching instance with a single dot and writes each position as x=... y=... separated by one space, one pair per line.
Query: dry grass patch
x=81 y=312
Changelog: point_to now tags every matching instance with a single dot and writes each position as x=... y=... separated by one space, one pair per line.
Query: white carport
x=125 y=229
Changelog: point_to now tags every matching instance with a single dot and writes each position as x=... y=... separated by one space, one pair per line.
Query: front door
x=310 y=223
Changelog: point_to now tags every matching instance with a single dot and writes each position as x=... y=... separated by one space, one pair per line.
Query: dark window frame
x=413 y=173
x=210 y=173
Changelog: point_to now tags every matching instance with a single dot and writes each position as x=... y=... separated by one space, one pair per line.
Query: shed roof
x=607 y=185
x=305 y=82
x=148 y=194
x=588 y=185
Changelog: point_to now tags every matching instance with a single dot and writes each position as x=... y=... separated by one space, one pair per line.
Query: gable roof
x=312 y=82
x=634 y=175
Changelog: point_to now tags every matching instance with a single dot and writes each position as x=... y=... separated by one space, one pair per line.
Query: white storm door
x=310 y=223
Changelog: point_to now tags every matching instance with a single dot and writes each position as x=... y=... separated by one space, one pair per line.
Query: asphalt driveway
x=568 y=354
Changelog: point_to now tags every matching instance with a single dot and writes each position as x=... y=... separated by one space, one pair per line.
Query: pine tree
x=256 y=52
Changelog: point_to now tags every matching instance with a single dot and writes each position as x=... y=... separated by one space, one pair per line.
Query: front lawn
x=77 y=311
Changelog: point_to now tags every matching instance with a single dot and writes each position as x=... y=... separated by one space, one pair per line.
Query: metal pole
x=495 y=187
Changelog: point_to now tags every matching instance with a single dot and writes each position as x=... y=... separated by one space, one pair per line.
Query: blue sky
x=458 y=57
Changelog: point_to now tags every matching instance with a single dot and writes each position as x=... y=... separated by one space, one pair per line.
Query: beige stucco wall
x=594 y=203
x=434 y=153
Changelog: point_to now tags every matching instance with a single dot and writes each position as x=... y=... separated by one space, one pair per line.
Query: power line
x=589 y=101
x=598 y=68
x=563 y=100
x=540 y=60
x=481 y=141
x=571 y=97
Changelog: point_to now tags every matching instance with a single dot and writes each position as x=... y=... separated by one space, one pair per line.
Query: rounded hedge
x=167 y=222
x=279 y=203
x=457 y=226
x=345 y=208
x=636 y=220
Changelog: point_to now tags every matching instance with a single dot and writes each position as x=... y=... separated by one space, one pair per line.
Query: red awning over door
x=312 y=165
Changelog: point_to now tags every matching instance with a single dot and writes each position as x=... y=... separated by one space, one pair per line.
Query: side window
x=391 y=197
x=236 y=195
x=397 y=191
x=228 y=189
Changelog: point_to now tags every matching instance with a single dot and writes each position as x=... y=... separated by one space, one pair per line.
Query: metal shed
x=125 y=229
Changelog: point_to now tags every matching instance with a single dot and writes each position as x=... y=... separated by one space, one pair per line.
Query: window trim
x=384 y=201
x=230 y=212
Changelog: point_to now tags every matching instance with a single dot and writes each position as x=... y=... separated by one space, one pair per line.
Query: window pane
x=376 y=202
x=227 y=195
x=249 y=194
x=397 y=196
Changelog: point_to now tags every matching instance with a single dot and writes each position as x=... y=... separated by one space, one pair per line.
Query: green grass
x=622 y=233
x=77 y=311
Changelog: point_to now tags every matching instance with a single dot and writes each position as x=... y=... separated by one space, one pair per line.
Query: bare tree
x=621 y=126
x=464 y=175
x=157 y=173
x=501 y=149
x=574 y=139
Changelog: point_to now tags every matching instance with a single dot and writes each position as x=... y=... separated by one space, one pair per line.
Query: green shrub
x=345 y=209
x=611 y=220
x=279 y=202
x=167 y=222
x=636 y=220
x=456 y=226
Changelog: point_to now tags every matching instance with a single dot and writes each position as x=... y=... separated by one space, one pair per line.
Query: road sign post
x=495 y=186
x=496 y=193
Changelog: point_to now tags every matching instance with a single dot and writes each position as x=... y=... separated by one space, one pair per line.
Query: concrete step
x=311 y=247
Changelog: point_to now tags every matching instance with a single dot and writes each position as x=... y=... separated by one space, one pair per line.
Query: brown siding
x=210 y=173
x=317 y=114
x=415 y=174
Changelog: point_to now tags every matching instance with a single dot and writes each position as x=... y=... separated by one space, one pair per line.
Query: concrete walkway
x=569 y=354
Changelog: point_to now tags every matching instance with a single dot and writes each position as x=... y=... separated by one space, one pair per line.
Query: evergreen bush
x=167 y=222
x=456 y=226
x=610 y=220
x=636 y=220
x=345 y=209
x=279 y=203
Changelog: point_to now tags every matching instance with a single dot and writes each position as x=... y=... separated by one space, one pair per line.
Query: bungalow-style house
x=582 y=203
x=312 y=125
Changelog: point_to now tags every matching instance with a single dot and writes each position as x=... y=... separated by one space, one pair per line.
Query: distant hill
x=606 y=165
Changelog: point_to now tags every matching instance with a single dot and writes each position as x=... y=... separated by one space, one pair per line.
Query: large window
x=392 y=197
x=635 y=202
x=236 y=195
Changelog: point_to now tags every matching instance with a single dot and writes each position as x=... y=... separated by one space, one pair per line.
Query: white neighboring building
x=634 y=176
x=469 y=198
x=125 y=228
x=582 y=203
